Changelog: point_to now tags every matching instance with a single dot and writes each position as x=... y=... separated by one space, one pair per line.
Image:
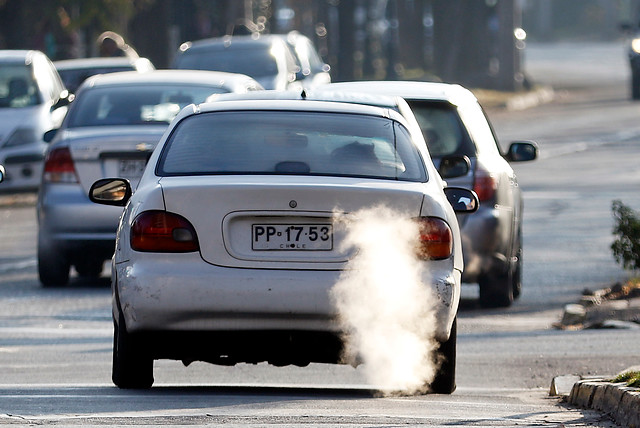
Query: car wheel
x=132 y=365
x=89 y=267
x=635 y=84
x=516 y=278
x=53 y=265
x=496 y=289
x=445 y=380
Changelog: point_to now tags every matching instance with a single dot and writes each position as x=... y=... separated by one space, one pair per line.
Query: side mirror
x=462 y=200
x=522 y=151
x=1 y=173
x=49 y=135
x=454 y=166
x=111 y=191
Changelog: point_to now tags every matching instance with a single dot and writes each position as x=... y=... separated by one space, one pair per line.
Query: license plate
x=131 y=168
x=292 y=237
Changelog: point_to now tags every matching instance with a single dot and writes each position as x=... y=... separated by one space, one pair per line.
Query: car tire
x=132 y=365
x=496 y=289
x=635 y=84
x=516 y=278
x=89 y=267
x=445 y=379
x=53 y=265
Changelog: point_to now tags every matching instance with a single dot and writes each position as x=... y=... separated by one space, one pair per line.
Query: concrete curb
x=25 y=199
x=616 y=399
x=614 y=307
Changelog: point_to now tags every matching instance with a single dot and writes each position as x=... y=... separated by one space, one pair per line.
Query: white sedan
x=241 y=241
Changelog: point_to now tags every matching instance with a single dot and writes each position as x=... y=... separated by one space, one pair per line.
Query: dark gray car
x=454 y=125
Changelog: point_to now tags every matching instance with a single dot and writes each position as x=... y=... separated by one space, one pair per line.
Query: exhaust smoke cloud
x=385 y=305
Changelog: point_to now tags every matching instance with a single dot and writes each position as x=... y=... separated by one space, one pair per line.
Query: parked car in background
x=453 y=125
x=1 y=173
x=194 y=276
x=267 y=59
x=312 y=70
x=75 y=71
x=33 y=100
x=111 y=130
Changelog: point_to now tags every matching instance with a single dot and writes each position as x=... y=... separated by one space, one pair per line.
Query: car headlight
x=22 y=136
x=635 y=45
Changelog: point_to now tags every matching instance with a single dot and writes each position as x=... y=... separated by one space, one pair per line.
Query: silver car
x=33 y=100
x=454 y=125
x=111 y=130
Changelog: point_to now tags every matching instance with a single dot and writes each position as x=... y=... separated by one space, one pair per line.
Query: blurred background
x=476 y=43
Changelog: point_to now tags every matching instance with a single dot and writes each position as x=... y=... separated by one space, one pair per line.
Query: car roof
x=78 y=63
x=226 y=42
x=168 y=76
x=291 y=105
x=385 y=101
x=410 y=90
x=17 y=55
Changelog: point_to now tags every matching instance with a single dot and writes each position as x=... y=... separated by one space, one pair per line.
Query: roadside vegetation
x=626 y=247
x=631 y=378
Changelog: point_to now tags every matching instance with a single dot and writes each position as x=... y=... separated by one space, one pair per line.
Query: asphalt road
x=55 y=345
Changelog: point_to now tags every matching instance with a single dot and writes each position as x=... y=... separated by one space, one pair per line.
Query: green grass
x=632 y=378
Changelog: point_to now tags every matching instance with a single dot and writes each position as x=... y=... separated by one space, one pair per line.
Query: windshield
x=131 y=105
x=17 y=86
x=254 y=61
x=286 y=142
x=442 y=129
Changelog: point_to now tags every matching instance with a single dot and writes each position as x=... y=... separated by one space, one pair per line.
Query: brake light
x=59 y=167
x=435 y=241
x=484 y=184
x=163 y=232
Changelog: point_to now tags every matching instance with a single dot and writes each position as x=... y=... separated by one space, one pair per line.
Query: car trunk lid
x=122 y=152
x=277 y=222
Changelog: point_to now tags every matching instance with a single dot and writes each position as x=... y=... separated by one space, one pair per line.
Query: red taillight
x=59 y=168
x=484 y=184
x=436 y=240
x=163 y=232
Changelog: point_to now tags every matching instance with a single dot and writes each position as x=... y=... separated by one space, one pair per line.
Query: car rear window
x=132 y=105
x=286 y=142
x=442 y=129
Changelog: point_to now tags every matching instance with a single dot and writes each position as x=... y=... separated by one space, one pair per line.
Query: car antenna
x=303 y=94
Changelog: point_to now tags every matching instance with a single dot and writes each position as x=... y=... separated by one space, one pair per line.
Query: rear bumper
x=181 y=293
x=486 y=239
x=71 y=222
x=22 y=175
